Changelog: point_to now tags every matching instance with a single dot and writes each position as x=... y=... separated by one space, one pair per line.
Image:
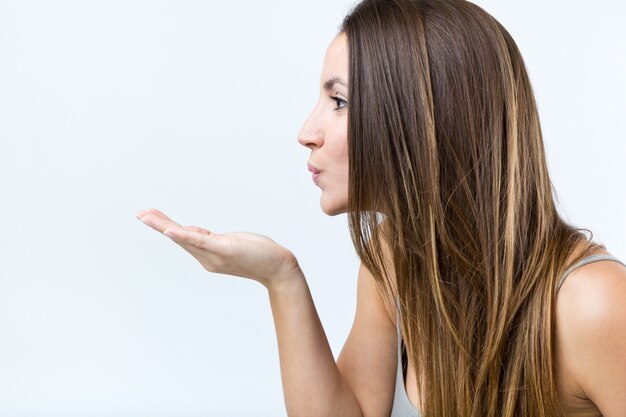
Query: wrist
x=286 y=279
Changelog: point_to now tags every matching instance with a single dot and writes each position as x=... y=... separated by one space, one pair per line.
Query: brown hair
x=444 y=139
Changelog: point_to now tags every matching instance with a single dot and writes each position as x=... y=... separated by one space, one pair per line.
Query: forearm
x=312 y=382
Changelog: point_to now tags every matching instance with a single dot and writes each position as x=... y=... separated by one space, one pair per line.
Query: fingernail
x=140 y=213
x=168 y=233
x=145 y=220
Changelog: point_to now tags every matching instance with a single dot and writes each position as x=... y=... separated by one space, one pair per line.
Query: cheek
x=341 y=142
x=340 y=155
x=337 y=147
x=344 y=151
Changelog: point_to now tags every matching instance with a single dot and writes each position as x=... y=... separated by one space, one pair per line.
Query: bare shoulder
x=591 y=337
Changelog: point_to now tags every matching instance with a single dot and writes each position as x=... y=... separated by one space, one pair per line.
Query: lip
x=315 y=177
x=313 y=169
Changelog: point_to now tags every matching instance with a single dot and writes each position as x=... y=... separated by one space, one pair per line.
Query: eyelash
x=339 y=101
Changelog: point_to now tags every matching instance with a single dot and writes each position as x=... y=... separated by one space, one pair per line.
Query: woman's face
x=325 y=131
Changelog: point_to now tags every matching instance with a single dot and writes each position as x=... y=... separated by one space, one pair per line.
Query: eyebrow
x=330 y=83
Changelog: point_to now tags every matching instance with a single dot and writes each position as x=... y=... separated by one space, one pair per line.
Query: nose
x=311 y=134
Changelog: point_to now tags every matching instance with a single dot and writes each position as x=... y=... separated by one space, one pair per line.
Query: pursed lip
x=313 y=169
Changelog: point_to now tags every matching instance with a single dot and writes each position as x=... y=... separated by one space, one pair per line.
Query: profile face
x=325 y=131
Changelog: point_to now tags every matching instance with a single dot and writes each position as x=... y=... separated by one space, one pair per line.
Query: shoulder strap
x=587 y=260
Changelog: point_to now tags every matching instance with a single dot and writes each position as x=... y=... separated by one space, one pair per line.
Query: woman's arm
x=312 y=383
x=362 y=382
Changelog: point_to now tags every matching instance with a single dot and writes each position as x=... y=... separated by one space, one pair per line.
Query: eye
x=339 y=101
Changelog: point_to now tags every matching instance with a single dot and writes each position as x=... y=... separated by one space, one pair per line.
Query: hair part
x=444 y=139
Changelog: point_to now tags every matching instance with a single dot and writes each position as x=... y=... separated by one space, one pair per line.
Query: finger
x=184 y=235
x=153 y=213
x=197 y=229
x=210 y=242
x=166 y=221
x=158 y=213
x=157 y=222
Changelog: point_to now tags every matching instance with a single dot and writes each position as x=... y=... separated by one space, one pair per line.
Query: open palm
x=243 y=254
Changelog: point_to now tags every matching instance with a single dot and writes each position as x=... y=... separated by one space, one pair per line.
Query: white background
x=194 y=108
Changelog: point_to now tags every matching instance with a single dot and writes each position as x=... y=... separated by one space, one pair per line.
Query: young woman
x=426 y=134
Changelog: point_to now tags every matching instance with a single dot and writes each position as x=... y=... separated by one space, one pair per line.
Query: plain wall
x=194 y=108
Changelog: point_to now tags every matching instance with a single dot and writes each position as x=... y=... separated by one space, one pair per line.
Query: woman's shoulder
x=591 y=287
x=590 y=341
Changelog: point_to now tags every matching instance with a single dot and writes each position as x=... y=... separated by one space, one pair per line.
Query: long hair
x=444 y=139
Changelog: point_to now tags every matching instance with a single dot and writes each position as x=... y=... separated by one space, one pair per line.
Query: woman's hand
x=243 y=254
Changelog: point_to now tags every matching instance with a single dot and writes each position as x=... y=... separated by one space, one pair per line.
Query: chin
x=332 y=207
x=334 y=212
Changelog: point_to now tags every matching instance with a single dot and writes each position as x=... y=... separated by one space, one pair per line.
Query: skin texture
x=590 y=319
x=242 y=254
x=591 y=341
x=597 y=290
x=325 y=131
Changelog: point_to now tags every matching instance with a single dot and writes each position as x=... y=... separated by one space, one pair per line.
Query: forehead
x=336 y=58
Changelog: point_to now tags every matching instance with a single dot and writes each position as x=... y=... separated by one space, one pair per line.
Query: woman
x=426 y=120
